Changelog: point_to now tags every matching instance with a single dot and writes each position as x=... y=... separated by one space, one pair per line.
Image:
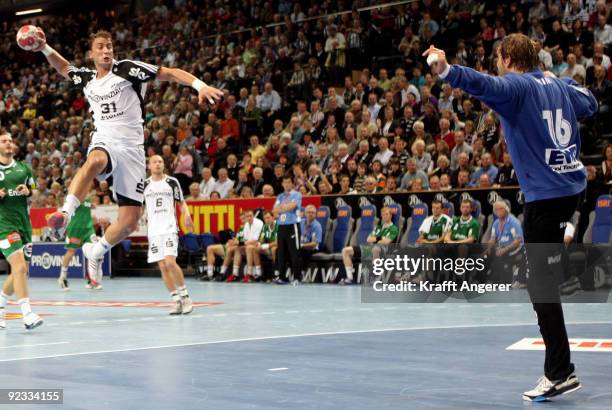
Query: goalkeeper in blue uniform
x=539 y=115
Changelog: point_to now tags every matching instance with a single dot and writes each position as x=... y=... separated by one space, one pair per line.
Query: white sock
x=100 y=248
x=349 y=272
x=64 y=272
x=249 y=270
x=236 y=270
x=223 y=269
x=175 y=296
x=257 y=271
x=24 y=304
x=3 y=299
x=209 y=270
x=182 y=291
x=71 y=203
x=277 y=273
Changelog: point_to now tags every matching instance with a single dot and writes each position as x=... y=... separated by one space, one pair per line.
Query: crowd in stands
x=347 y=103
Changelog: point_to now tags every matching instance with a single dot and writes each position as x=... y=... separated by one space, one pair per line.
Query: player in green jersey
x=80 y=231
x=16 y=185
x=465 y=229
x=384 y=234
x=463 y=234
x=266 y=245
x=434 y=227
x=225 y=251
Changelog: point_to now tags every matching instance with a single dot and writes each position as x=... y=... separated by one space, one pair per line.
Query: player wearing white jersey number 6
x=162 y=193
x=115 y=92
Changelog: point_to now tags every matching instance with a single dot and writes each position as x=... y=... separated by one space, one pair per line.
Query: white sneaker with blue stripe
x=546 y=388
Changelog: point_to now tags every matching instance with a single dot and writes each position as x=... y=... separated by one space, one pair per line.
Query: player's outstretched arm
x=55 y=59
x=497 y=92
x=206 y=93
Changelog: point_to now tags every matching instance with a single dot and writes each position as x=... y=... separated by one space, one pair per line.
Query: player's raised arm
x=499 y=93
x=206 y=93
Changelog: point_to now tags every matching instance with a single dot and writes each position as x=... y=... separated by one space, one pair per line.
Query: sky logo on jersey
x=563 y=160
x=138 y=73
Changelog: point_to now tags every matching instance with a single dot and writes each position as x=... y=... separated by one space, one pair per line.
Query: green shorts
x=13 y=241
x=76 y=238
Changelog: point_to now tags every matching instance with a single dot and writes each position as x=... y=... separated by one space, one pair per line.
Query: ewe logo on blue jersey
x=563 y=160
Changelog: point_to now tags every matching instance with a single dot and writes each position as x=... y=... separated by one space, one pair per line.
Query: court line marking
x=253 y=339
x=34 y=345
x=278 y=369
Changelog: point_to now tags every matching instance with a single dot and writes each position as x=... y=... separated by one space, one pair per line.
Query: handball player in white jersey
x=115 y=91
x=162 y=193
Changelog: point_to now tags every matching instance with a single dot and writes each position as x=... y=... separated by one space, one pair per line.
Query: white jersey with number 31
x=116 y=100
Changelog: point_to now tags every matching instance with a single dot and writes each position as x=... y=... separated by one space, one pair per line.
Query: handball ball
x=432 y=59
x=30 y=37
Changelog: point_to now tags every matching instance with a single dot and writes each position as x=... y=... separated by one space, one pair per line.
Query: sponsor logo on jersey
x=74 y=241
x=12 y=192
x=13 y=237
x=140 y=187
x=138 y=73
x=563 y=160
x=97 y=98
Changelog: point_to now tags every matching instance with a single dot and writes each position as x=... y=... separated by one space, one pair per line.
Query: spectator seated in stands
x=487 y=168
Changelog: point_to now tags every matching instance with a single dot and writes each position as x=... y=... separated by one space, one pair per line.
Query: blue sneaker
x=279 y=281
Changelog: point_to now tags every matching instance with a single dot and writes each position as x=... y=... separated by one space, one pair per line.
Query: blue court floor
x=256 y=346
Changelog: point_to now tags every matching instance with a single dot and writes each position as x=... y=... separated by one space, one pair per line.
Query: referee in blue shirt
x=539 y=115
x=287 y=206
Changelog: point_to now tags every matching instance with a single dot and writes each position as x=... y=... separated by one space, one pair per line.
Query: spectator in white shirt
x=223 y=184
x=208 y=183
x=384 y=154
x=573 y=68
x=543 y=55
x=602 y=31
x=598 y=53
x=269 y=100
